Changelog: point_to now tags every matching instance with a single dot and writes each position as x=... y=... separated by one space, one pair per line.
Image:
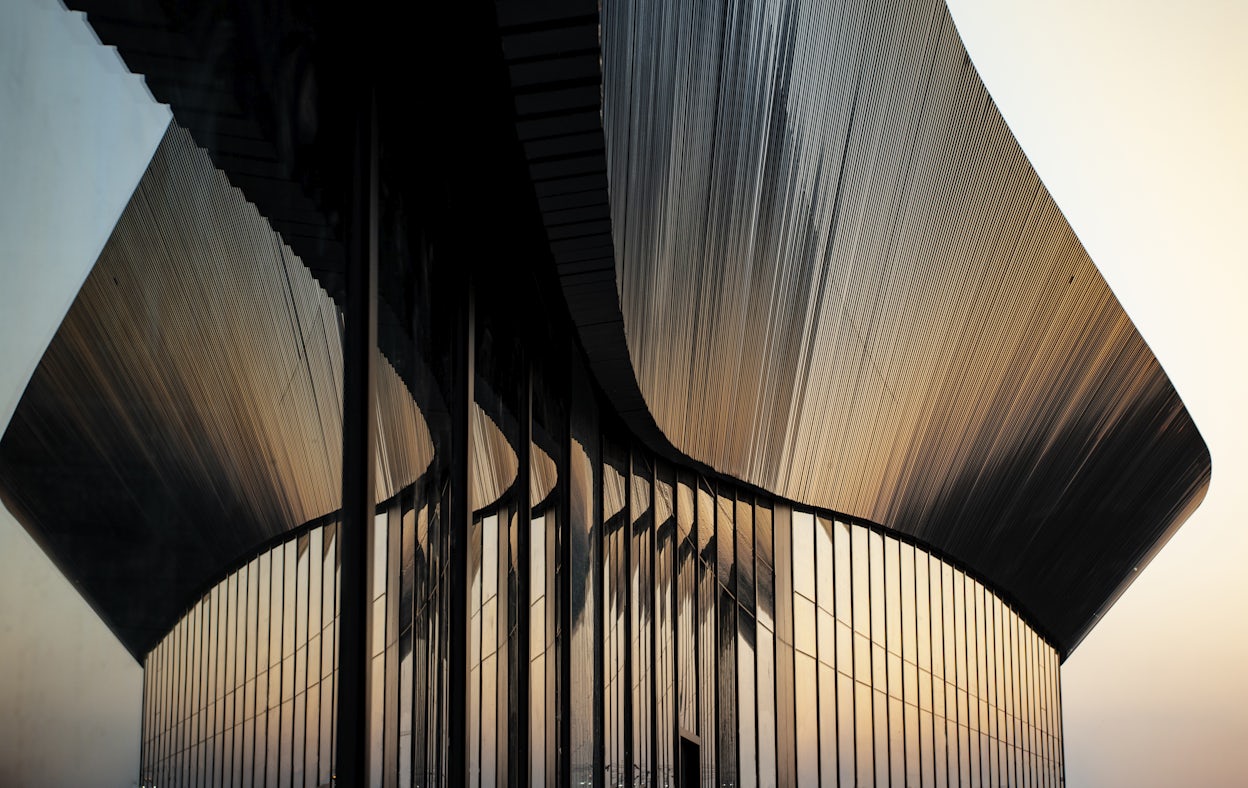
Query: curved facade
x=705 y=395
x=777 y=645
x=903 y=326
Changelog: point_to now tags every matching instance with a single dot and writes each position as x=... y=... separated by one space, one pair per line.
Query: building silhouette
x=554 y=393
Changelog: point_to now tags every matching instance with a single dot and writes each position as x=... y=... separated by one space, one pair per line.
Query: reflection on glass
x=845 y=726
x=727 y=702
x=585 y=489
x=830 y=653
x=708 y=622
x=786 y=690
x=807 y=719
x=664 y=628
x=864 y=732
x=767 y=775
x=641 y=606
x=615 y=594
x=746 y=722
x=765 y=595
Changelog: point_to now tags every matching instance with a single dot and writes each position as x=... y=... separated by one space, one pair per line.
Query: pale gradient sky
x=1135 y=115
x=76 y=132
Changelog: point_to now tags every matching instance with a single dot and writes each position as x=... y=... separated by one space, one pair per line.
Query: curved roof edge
x=570 y=174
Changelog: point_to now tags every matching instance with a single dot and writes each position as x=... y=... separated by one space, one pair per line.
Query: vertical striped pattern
x=189 y=407
x=842 y=281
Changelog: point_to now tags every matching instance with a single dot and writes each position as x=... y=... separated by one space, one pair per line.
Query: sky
x=1135 y=116
x=76 y=132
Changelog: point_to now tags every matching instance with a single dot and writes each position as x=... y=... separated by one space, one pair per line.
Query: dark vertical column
x=653 y=656
x=597 y=568
x=1061 y=736
x=563 y=590
x=460 y=523
x=523 y=646
x=143 y=721
x=358 y=442
x=674 y=622
x=630 y=757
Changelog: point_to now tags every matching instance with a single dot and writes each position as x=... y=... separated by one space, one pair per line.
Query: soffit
x=841 y=280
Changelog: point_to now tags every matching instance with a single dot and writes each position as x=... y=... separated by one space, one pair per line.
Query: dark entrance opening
x=690 y=772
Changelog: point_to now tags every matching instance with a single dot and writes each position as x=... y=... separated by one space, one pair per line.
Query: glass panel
x=727 y=542
x=489 y=721
x=909 y=647
x=824 y=565
x=786 y=742
x=765 y=606
x=881 y=719
x=664 y=628
x=727 y=687
x=892 y=601
x=913 y=766
x=807 y=720
x=923 y=611
x=828 y=744
x=329 y=647
x=687 y=603
x=861 y=592
x=764 y=563
x=864 y=730
x=767 y=772
x=842 y=577
x=826 y=626
x=744 y=527
x=926 y=756
x=804 y=554
x=746 y=730
x=615 y=592
x=583 y=557
x=879 y=598
x=805 y=639
x=708 y=623
x=547 y=454
x=641 y=591
x=537 y=721
x=845 y=727
x=936 y=612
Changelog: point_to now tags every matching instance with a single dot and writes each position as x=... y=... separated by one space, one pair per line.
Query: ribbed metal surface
x=842 y=281
x=243 y=80
x=189 y=408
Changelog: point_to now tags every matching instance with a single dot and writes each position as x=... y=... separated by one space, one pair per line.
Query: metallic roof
x=800 y=248
x=833 y=274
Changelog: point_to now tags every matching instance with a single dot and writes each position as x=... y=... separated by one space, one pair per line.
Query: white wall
x=76 y=133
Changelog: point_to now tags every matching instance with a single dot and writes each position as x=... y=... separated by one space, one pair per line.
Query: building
x=706 y=330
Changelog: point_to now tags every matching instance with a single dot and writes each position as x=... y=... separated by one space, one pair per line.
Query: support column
x=358 y=452
x=460 y=518
x=523 y=644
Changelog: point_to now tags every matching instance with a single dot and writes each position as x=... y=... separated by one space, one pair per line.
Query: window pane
x=807 y=721
x=767 y=774
x=804 y=554
x=746 y=731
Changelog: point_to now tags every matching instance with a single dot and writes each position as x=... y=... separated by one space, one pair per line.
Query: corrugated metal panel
x=842 y=281
x=189 y=407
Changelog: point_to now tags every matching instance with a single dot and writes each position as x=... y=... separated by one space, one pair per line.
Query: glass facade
x=540 y=599
x=715 y=634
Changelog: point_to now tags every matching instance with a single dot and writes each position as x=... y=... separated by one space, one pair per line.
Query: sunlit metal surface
x=189 y=408
x=842 y=281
